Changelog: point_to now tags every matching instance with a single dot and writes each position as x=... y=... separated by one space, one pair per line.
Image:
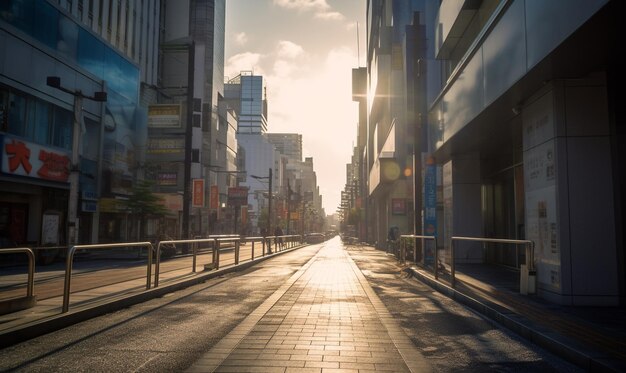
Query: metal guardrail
x=253 y=240
x=30 y=288
x=530 y=251
x=195 y=243
x=217 y=240
x=70 y=259
x=414 y=236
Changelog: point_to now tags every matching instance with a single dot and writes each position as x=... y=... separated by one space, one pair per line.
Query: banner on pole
x=198 y=193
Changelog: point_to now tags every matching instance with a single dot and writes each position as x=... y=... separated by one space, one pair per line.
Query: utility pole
x=72 y=220
x=269 y=215
x=301 y=196
x=188 y=136
x=288 y=205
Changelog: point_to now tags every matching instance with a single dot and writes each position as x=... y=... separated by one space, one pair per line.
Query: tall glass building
x=247 y=93
x=39 y=39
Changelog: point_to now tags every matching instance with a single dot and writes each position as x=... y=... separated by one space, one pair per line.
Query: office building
x=191 y=71
x=41 y=39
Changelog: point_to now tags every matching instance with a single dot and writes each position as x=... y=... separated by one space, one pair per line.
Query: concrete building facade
x=529 y=137
x=518 y=134
x=191 y=71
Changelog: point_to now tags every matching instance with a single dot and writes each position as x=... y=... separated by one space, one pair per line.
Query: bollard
x=236 y=252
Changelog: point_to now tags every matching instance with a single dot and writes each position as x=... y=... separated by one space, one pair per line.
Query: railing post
x=436 y=260
x=236 y=252
x=149 y=270
x=452 y=279
x=214 y=253
x=68 y=275
x=217 y=253
x=194 y=249
x=31 y=273
x=252 y=250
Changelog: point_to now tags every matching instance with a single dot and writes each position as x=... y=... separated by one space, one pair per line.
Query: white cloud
x=287 y=49
x=283 y=69
x=247 y=61
x=303 y=5
x=320 y=8
x=330 y=16
x=241 y=38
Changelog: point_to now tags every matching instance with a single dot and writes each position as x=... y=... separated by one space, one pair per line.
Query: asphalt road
x=170 y=333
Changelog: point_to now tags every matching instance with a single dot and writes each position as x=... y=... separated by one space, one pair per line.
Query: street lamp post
x=269 y=207
x=55 y=82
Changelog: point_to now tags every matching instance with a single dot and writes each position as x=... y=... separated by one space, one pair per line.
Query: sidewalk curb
x=59 y=321
x=555 y=343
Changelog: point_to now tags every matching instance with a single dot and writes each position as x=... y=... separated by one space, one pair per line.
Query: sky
x=305 y=50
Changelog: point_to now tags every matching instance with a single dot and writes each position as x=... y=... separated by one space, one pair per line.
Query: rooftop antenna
x=358 y=46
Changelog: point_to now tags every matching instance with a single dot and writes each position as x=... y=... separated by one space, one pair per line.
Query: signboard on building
x=23 y=158
x=166 y=146
x=214 y=197
x=164 y=116
x=167 y=178
x=430 y=199
x=171 y=201
x=198 y=193
x=238 y=196
x=89 y=206
x=50 y=223
x=112 y=205
x=398 y=206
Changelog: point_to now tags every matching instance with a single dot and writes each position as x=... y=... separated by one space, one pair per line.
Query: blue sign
x=90 y=206
x=430 y=208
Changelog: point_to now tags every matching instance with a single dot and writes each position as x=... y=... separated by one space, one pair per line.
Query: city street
x=105 y=268
x=310 y=308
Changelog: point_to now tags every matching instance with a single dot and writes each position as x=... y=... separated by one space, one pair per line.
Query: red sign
x=198 y=193
x=33 y=160
x=238 y=196
x=214 y=197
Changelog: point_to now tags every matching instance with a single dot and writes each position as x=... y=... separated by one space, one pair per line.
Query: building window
x=195 y=155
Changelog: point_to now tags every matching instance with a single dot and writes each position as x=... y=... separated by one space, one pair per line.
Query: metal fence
x=30 y=287
x=70 y=260
x=154 y=251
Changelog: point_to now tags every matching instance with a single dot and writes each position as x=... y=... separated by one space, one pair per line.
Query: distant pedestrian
x=392 y=237
x=278 y=232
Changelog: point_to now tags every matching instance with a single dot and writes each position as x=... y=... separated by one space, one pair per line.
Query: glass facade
x=34 y=119
x=124 y=120
x=46 y=24
x=252 y=95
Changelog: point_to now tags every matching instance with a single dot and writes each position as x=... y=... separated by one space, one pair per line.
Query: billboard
x=238 y=196
x=164 y=116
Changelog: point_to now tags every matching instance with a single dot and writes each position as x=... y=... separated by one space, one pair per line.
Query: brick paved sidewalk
x=325 y=318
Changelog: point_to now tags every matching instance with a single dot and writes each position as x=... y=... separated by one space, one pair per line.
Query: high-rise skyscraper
x=184 y=122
